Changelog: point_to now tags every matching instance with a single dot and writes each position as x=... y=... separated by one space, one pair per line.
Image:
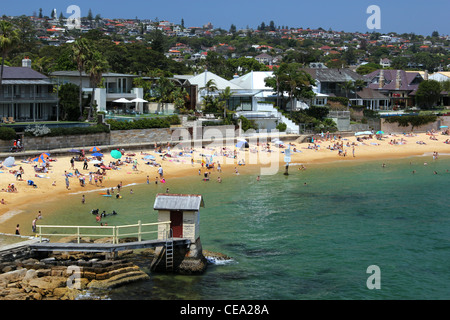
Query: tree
x=292 y=79
x=179 y=96
x=9 y=38
x=80 y=53
x=224 y=96
x=68 y=100
x=233 y=28
x=210 y=87
x=428 y=94
x=96 y=65
x=90 y=16
x=40 y=13
x=347 y=86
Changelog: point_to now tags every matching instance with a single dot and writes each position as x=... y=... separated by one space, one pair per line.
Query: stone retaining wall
x=71 y=141
x=140 y=136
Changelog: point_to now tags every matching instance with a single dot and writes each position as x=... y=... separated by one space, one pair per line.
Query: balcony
x=28 y=97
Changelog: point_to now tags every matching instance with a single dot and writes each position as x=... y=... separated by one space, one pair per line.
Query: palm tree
x=80 y=54
x=210 y=86
x=225 y=95
x=95 y=66
x=347 y=86
x=9 y=37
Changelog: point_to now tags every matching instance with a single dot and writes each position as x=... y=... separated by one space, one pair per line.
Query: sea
x=347 y=230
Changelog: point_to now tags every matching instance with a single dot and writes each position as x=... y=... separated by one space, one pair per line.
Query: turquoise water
x=290 y=240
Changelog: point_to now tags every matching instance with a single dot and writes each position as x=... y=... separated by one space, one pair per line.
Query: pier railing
x=115 y=232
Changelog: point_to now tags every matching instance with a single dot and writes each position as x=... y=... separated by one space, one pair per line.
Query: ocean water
x=310 y=235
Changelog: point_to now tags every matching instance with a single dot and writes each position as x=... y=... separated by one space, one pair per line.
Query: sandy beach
x=51 y=185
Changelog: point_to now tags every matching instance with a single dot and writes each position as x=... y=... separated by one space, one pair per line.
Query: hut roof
x=183 y=202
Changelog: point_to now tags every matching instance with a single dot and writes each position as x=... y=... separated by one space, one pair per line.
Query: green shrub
x=7 y=133
x=281 y=127
x=146 y=123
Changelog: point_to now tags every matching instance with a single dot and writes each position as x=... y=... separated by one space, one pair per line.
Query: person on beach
x=33 y=225
x=39 y=217
x=18 y=230
x=83 y=199
x=85 y=165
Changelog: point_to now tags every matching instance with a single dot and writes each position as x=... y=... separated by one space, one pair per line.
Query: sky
x=400 y=16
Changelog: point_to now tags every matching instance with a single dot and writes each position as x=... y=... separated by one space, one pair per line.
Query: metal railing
x=114 y=232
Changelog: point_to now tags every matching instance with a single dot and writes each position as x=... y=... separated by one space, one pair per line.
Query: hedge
x=146 y=123
x=7 y=133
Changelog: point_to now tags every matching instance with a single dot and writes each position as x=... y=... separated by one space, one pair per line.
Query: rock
x=48 y=282
x=119 y=280
x=13 y=276
x=31 y=274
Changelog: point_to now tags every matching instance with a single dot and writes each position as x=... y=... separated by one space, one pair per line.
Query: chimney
x=425 y=76
x=26 y=62
x=381 y=80
x=398 y=82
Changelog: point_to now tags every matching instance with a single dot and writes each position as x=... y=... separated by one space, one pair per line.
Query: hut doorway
x=176 y=223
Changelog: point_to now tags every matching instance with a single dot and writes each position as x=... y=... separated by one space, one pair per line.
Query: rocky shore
x=70 y=275
x=66 y=276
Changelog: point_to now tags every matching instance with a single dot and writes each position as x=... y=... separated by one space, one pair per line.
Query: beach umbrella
x=74 y=150
x=122 y=100
x=94 y=149
x=443 y=127
x=380 y=132
x=41 y=159
x=97 y=154
x=242 y=144
x=278 y=142
x=116 y=154
x=9 y=162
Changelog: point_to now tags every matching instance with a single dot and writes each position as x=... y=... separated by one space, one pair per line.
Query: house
x=202 y=79
x=398 y=85
x=264 y=58
x=330 y=81
x=440 y=76
x=115 y=86
x=385 y=63
x=27 y=95
x=371 y=99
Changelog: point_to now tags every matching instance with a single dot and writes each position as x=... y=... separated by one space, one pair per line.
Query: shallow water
x=309 y=235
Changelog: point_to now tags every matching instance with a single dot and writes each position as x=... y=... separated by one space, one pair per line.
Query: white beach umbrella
x=9 y=162
x=122 y=100
x=137 y=100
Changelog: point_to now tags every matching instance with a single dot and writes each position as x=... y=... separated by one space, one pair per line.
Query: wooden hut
x=182 y=210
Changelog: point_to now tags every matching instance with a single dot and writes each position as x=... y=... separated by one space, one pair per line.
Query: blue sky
x=420 y=17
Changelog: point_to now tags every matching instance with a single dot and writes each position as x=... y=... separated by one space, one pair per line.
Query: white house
x=440 y=76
